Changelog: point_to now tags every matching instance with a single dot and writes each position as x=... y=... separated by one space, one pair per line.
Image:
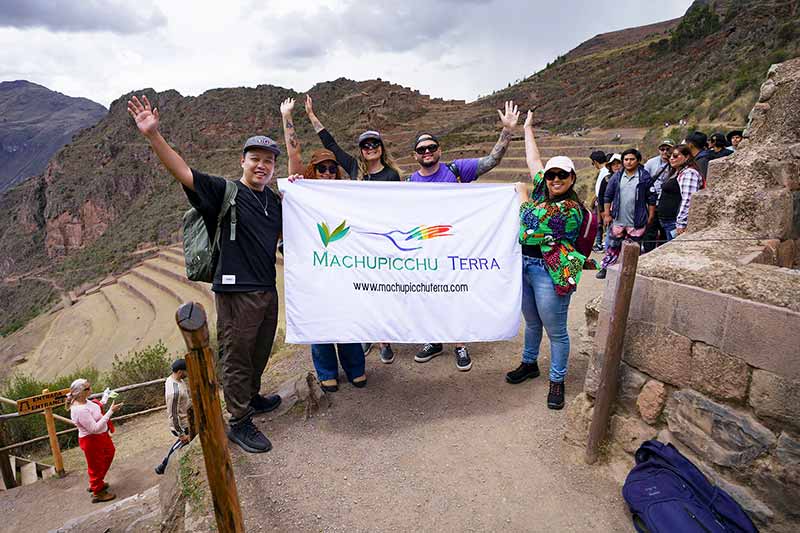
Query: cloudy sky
x=102 y=49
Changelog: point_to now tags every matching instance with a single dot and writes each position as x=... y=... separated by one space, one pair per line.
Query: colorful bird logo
x=420 y=233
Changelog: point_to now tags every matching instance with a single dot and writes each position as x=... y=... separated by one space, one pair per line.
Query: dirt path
x=427 y=448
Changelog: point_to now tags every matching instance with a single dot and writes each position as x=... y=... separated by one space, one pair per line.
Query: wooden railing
x=52 y=435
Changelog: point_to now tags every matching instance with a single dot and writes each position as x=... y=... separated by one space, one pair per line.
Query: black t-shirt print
x=248 y=263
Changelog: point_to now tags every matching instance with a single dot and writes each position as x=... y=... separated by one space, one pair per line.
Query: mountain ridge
x=106 y=194
x=36 y=122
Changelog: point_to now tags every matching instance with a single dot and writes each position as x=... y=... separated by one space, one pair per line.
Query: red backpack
x=587 y=233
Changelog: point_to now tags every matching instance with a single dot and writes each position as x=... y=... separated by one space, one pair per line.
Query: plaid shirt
x=689 y=181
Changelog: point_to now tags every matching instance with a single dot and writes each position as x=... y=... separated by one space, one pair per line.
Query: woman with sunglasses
x=550 y=219
x=323 y=165
x=374 y=163
x=676 y=192
x=93 y=436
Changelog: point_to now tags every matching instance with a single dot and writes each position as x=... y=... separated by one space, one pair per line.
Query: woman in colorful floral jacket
x=550 y=219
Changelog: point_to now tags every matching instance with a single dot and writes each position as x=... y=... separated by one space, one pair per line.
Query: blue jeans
x=542 y=307
x=351 y=357
x=669 y=228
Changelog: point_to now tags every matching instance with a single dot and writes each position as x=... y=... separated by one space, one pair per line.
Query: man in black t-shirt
x=244 y=288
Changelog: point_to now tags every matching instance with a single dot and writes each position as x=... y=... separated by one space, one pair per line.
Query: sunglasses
x=676 y=155
x=550 y=175
x=426 y=149
x=331 y=169
x=87 y=388
x=664 y=149
x=370 y=145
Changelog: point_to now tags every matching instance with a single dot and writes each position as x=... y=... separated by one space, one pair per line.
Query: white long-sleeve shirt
x=88 y=418
x=176 y=396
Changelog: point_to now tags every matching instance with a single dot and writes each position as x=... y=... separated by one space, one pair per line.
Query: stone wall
x=711 y=357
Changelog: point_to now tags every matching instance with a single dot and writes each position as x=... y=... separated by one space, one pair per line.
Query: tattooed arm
x=509 y=120
x=290 y=136
x=318 y=127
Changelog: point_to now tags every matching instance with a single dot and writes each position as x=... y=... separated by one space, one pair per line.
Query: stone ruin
x=711 y=359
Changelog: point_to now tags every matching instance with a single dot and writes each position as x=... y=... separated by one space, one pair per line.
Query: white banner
x=400 y=261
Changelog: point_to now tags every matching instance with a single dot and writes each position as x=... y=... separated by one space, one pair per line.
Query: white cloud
x=447 y=48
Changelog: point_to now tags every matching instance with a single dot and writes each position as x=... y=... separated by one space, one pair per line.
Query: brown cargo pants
x=246 y=323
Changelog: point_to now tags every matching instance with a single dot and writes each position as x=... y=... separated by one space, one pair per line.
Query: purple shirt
x=468 y=168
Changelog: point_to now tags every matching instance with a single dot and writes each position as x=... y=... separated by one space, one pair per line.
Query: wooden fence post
x=58 y=461
x=612 y=354
x=204 y=387
x=7 y=472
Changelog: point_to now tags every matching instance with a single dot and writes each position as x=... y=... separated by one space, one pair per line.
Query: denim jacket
x=645 y=195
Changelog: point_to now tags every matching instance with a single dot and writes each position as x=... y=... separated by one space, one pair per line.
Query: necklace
x=264 y=205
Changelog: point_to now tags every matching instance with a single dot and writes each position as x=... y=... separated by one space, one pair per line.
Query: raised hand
x=116 y=407
x=287 y=106
x=529 y=118
x=511 y=116
x=145 y=115
x=309 y=106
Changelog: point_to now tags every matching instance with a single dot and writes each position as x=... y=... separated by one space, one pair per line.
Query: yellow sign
x=42 y=401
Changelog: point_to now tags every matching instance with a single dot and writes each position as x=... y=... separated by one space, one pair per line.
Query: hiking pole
x=612 y=353
x=203 y=384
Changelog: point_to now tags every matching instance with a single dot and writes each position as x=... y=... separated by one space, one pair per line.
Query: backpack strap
x=454 y=169
x=228 y=204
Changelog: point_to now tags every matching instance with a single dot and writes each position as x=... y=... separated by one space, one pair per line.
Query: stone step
x=28 y=474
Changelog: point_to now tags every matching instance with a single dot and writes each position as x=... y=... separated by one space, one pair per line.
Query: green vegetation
x=22 y=303
x=700 y=20
x=191 y=481
x=148 y=364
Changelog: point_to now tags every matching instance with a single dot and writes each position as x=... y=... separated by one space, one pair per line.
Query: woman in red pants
x=93 y=436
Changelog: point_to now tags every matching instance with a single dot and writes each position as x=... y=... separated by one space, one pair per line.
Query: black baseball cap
x=263 y=142
x=425 y=137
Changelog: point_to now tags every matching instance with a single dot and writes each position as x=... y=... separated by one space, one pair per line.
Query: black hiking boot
x=265 y=404
x=522 y=372
x=555 y=398
x=248 y=437
x=601 y=274
x=428 y=352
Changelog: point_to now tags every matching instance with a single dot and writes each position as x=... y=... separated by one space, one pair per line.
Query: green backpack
x=200 y=253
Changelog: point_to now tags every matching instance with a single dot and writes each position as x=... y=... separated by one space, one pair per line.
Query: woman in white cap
x=93 y=436
x=550 y=220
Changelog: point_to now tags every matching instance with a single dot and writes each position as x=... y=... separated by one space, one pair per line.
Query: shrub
x=148 y=364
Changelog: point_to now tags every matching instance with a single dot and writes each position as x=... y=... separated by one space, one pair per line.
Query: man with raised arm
x=244 y=282
x=427 y=153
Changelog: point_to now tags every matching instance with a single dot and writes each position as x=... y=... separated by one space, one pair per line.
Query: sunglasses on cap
x=550 y=175
x=427 y=148
x=370 y=145
x=331 y=169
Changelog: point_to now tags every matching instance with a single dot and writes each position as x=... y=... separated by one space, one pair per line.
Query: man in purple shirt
x=427 y=153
